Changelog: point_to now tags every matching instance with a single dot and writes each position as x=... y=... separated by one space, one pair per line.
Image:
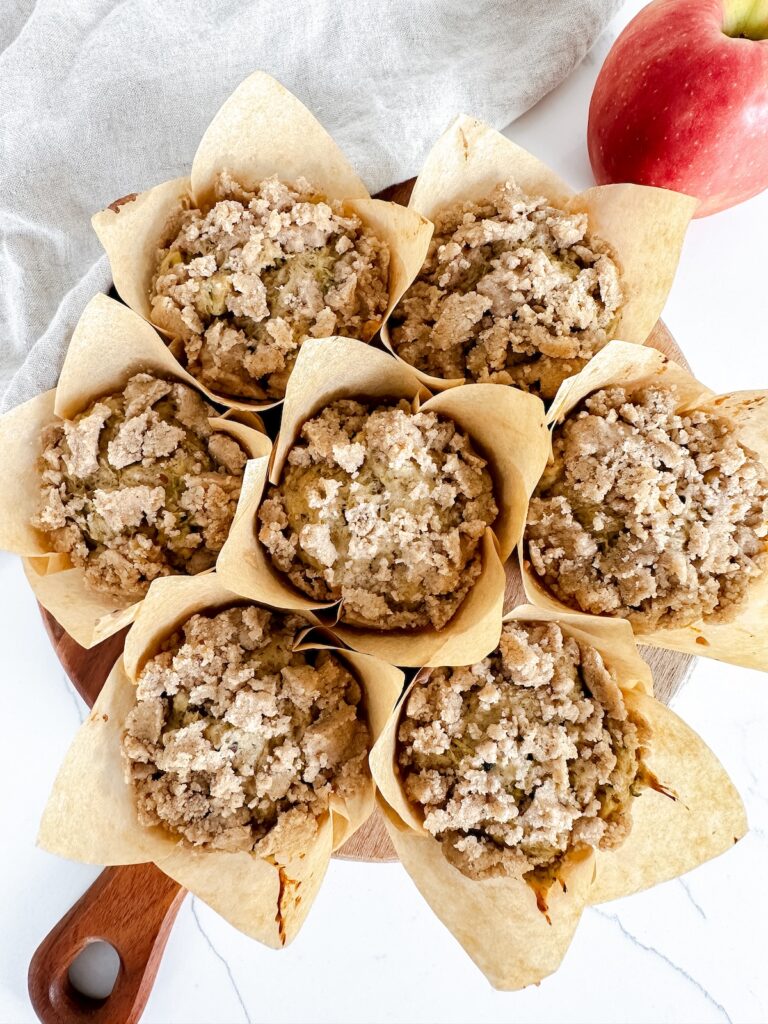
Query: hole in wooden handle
x=75 y=994
x=93 y=973
x=132 y=909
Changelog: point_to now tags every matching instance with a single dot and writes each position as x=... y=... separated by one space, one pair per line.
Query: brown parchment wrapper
x=109 y=345
x=91 y=815
x=497 y=920
x=261 y=130
x=644 y=226
x=505 y=425
x=744 y=640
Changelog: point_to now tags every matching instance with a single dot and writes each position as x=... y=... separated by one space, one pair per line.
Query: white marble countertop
x=691 y=950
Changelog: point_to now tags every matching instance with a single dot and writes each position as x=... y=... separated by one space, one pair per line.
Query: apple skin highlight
x=681 y=104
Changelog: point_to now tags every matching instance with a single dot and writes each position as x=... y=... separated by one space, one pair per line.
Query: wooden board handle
x=132 y=908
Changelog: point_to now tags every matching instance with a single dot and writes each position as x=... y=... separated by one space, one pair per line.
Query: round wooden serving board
x=134 y=907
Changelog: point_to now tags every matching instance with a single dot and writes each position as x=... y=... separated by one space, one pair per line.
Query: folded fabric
x=102 y=98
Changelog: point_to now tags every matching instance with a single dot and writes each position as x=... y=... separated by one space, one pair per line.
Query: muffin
x=237 y=742
x=382 y=509
x=540 y=779
x=513 y=291
x=138 y=485
x=522 y=758
x=648 y=513
x=240 y=284
x=224 y=755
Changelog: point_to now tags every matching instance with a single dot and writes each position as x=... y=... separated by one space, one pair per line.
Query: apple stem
x=745 y=19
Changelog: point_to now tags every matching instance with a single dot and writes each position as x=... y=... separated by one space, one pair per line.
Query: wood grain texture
x=133 y=907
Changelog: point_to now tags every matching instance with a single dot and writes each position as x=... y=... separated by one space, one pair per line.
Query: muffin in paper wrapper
x=691 y=814
x=260 y=130
x=109 y=345
x=644 y=226
x=91 y=813
x=504 y=425
x=744 y=639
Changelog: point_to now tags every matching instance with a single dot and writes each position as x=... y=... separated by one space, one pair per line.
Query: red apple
x=682 y=102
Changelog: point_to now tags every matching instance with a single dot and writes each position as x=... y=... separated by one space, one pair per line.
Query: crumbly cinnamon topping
x=383 y=509
x=648 y=514
x=238 y=742
x=522 y=757
x=239 y=286
x=513 y=291
x=139 y=486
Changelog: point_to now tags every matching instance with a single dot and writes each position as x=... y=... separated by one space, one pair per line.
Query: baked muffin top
x=139 y=485
x=383 y=509
x=239 y=286
x=513 y=291
x=649 y=514
x=237 y=741
x=522 y=757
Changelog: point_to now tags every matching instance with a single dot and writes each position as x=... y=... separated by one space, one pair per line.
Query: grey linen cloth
x=102 y=97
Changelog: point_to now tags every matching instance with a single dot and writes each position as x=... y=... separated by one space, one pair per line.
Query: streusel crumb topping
x=139 y=485
x=522 y=757
x=237 y=741
x=241 y=285
x=649 y=514
x=513 y=291
x=383 y=509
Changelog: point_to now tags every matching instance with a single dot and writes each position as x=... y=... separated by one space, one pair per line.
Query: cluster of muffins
x=373 y=523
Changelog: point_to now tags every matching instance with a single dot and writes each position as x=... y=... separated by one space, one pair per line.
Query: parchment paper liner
x=91 y=816
x=505 y=425
x=744 y=641
x=497 y=920
x=262 y=129
x=644 y=226
x=109 y=345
